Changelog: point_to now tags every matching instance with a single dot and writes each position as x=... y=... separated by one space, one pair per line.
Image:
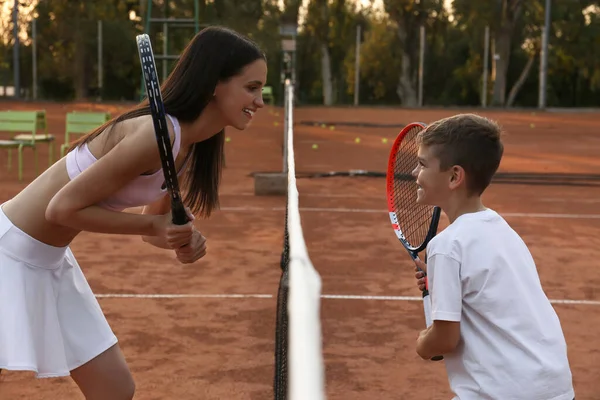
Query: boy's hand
x=193 y=251
x=420 y=266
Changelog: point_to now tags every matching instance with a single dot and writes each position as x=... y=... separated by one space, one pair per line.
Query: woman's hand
x=175 y=236
x=194 y=251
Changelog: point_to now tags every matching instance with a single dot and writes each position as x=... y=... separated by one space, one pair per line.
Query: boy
x=500 y=337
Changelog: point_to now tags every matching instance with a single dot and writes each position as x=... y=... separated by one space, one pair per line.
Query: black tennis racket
x=161 y=131
x=414 y=224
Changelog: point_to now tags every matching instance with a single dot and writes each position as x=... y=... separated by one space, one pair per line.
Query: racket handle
x=178 y=213
x=427 y=309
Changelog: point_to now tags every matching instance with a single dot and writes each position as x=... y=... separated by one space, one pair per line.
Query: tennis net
x=299 y=371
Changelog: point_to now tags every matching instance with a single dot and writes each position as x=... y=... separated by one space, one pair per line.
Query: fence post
x=16 y=75
x=100 y=63
x=421 y=62
x=486 y=56
x=357 y=67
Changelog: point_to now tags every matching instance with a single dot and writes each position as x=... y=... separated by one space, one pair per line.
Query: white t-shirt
x=512 y=347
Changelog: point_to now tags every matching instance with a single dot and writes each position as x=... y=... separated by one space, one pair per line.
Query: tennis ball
x=357 y=140
x=228 y=139
x=315 y=146
x=384 y=140
x=332 y=128
x=276 y=123
x=323 y=126
x=532 y=125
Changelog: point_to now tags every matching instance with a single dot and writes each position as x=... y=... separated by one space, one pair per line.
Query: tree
x=508 y=15
x=379 y=64
x=409 y=16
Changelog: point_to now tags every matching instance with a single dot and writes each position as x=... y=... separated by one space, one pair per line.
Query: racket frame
x=413 y=251
x=161 y=131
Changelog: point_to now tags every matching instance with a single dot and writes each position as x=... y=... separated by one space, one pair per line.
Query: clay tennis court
x=206 y=331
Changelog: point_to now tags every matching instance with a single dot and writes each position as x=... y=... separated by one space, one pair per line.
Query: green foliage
x=67 y=47
x=379 y=64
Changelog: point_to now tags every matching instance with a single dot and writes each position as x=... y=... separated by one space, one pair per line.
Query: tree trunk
x=509 y=14
x=501 y=59
x=323 y=38
x=406 y=89
x=519 y=83
x=326 y=75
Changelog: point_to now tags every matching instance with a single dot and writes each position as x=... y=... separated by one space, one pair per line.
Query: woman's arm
x=159 y=207
x=75 y=204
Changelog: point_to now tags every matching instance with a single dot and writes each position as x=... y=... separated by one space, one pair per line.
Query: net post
x=276 y=183
x=286 y=122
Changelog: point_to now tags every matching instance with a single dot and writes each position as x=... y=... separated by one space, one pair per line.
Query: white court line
x=380 y=211
x=559 y=200
x=183 y=296
x=548 y=215
x=325 y=296
x=358 y=196
x=326 y=195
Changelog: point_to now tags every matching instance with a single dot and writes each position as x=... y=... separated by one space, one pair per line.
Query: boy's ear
x=457 y=176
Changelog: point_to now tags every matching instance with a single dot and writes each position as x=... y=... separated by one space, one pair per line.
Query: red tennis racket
x=414 y=224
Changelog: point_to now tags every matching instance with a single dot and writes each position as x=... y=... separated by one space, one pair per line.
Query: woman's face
x=241 y=96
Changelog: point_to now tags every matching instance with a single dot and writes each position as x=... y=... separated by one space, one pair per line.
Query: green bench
x=24 y=127
x=80 y=123
x=267 y=94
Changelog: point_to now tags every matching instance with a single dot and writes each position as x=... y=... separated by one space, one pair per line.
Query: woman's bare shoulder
x=137 y=129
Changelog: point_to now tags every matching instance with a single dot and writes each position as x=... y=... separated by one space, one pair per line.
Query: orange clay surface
x=222 y=347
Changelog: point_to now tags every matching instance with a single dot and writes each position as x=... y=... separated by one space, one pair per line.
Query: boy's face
x=433 y=187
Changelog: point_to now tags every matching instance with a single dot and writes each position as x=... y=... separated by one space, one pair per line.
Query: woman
x=51 y=321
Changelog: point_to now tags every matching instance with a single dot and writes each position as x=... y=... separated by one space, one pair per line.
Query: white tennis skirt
x=50 y=321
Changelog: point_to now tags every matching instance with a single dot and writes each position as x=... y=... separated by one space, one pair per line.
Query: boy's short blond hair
x=470 y=141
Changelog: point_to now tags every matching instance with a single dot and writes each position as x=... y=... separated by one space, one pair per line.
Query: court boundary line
x=270 y=296
x=382 y=211
x=372 y=197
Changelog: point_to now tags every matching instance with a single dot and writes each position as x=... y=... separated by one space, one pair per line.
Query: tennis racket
x=414 y=224
x=161 y=131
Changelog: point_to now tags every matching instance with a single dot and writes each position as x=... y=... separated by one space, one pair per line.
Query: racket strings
x=414 y=218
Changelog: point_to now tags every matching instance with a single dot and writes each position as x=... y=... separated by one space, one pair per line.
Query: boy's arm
x=441 y=337
x=445 y=288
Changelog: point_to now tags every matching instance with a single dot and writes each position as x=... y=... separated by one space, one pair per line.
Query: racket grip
x=178 y=213
x=427 y=309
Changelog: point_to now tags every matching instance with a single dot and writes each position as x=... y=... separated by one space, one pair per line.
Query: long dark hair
x=215 y=54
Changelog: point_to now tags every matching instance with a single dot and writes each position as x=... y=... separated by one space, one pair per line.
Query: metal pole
x=286 y=107
x=421 y=63
x=357 y=67
x=165 y=50
x=486 y=56
x=17 y=83
x=196 y=16
x=34 y=56
x=544 y=58
x=100 y=63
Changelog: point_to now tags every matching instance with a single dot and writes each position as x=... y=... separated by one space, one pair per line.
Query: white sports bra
x=143 y=190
